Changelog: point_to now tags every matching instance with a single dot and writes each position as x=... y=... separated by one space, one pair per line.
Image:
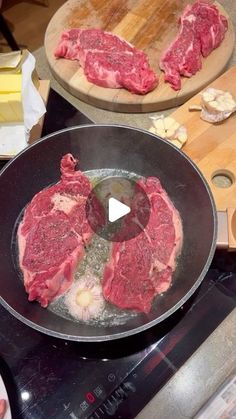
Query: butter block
x=10 y=83
x=11 y=109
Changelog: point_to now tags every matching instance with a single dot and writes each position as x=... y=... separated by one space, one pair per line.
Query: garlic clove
x=152 y=130
x=161 y=133
x=182 y=138
x=170 y=133
x=169 y=129
x=158 y=124
x=168 y=122
x=175 y=126
x=208 y=97
x=177 y=143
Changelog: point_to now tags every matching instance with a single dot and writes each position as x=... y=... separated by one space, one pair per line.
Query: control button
x=98 y=391
x=90 y=397
x=84 y=406
x=111 y=377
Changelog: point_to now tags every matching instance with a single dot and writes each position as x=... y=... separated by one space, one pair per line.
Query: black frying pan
x=100 y=146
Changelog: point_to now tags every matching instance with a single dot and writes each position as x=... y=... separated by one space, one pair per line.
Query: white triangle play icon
x=116 y=210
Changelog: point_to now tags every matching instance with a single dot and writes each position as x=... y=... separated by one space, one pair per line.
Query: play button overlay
x=118 y=209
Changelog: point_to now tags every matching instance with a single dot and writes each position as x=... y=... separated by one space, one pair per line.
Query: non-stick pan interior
x=98 y=147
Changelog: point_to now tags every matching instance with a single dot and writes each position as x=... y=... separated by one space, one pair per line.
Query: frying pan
x=114 y=147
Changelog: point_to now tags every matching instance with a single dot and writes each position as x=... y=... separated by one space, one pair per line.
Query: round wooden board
x=150 y=25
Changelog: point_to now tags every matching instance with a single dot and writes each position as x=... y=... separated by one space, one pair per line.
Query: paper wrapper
x=14 y=136
x=33 y=105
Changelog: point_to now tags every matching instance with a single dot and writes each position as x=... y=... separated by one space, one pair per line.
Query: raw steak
x=142 y=267
x=108 y=60
x=202 y=29
x=53 y=232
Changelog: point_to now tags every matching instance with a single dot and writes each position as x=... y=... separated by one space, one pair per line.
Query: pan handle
x=226 y=238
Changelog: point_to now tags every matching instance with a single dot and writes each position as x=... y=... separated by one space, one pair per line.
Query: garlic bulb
x=84 y=299
x=169 y=129
x=216 y=105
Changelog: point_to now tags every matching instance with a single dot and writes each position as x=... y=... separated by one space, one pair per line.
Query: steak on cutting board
x=142 y=267
x=108 y=60
x=202 y=29
x=53 y=233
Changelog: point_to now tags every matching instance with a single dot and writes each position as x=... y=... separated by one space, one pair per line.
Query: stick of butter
x=10 y=83
x=11 y=108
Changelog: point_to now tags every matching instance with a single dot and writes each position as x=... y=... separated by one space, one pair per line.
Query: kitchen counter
x=215 y=359
x=199 y=378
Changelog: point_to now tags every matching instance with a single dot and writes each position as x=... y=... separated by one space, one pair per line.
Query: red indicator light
x=90 y=397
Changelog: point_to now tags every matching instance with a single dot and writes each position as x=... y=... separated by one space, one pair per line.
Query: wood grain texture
x=213 y=147
x=149 y=25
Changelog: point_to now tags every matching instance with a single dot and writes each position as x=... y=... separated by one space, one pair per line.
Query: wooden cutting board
x=150 y=25
x=213 y=148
